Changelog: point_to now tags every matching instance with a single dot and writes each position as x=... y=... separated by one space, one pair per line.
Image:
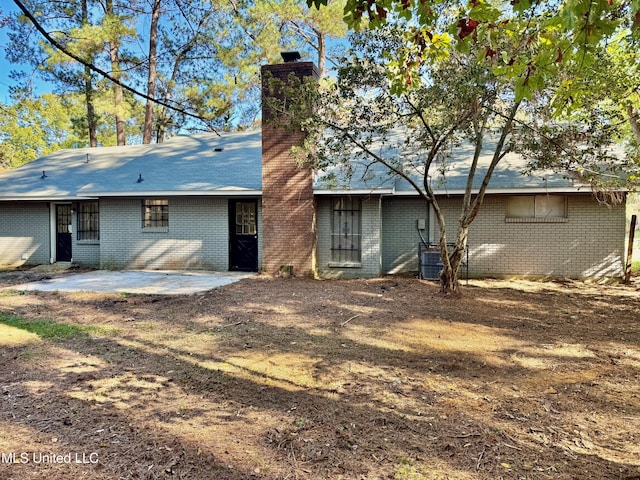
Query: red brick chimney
x=288 y=212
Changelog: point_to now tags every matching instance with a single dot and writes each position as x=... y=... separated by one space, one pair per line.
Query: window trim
x=535 y=218
x=157 y=221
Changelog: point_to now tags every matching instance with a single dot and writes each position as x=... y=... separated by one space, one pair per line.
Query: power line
x=99 y=71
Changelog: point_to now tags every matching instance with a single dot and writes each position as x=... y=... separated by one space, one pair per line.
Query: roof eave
x=506 y=191
x=178 y=193
x=355 y=191
x=44 y=198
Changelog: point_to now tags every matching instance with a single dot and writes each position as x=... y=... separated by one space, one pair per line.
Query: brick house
x=238 y=202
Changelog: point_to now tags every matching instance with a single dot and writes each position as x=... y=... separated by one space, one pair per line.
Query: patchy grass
x=296 y=378
x=10 y=292
x=48 y=329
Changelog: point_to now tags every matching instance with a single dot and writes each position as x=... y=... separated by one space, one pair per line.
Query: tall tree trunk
x=118 y=95
x=88 y=89
x=151 y=79
x=322 y=53
x=452 y=259
x=91 y=113
x=452 y=256
x=163 y=120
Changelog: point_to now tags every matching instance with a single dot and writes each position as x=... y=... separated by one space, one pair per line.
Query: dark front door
x=243 y=235
x=63 y=233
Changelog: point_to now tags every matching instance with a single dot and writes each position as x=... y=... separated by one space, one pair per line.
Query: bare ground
x=304 y=379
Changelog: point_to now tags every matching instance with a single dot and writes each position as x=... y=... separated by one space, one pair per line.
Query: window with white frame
x=155 y=213
x=346 y=230
x=536 y=208
x=88 y=221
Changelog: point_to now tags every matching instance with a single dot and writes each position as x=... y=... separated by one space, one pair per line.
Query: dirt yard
x=302 y=379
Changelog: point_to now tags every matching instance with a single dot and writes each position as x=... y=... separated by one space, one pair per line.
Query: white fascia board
x=176 y=193
x=505 y=191
x=46 y=199
x=360 y=191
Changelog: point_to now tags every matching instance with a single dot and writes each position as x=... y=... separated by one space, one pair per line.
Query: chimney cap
x=292 y=56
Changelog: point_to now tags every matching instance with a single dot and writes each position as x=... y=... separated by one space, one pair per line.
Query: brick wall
x=371 y=224
x=400 y=236
x=589 y=244
x=24 y=233
x=85 y=252
x=288 y=213
x=197 y=236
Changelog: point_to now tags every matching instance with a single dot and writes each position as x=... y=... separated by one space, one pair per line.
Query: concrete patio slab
x=137 y=281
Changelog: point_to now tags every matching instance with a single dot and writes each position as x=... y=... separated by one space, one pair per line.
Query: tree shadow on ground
x=363 y=404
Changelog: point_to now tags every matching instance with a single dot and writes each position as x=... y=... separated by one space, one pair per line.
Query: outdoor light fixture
x=140 y=179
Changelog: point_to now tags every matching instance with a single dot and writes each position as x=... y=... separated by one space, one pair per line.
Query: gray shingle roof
x=450 y=178
x=208 y=164
x=204 y=164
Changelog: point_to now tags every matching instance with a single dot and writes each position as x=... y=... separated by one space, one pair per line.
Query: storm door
x=63 y=233
x=243 y=235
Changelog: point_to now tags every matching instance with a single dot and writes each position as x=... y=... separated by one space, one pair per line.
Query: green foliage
x=282 y=25
x=32 y=127
x=366 y=125
x=575 y=63
x=588 y=123
x=365 y=129
x=361 y=104
x=525 y=42
x=208 y=59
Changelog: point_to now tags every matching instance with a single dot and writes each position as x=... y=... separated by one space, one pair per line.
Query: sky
x=8 y=7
